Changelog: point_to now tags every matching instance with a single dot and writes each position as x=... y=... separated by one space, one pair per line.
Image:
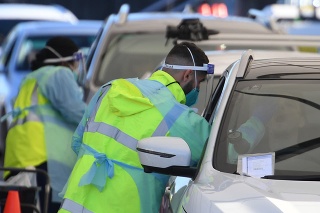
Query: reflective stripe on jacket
x=39 y=133
x=108 y=176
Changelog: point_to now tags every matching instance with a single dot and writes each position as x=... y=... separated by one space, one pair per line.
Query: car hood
x=229 y=193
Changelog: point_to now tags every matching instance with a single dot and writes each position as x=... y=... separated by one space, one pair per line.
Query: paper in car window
x=256 y=165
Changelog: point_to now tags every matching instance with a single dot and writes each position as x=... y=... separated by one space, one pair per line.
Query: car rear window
x=7 y=25
x=32 y=45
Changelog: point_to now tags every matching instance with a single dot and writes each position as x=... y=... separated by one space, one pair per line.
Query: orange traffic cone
x=12 y=203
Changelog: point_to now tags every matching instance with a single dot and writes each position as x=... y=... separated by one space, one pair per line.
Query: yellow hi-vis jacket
x=108 y=176
x=39 y=133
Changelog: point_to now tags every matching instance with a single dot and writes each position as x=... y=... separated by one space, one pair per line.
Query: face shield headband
x=77 y=56
x=209 y=68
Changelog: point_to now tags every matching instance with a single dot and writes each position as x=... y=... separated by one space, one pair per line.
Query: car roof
x=158 y=21
x=223 y=58
x=285 y=68
x=35 y=12
x=45 y=27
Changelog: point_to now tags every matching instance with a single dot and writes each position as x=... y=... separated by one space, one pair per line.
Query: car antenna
x=188 y=29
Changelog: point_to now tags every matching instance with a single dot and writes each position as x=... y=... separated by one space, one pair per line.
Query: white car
x=132 y=44
x=222 y=59
x=14 y=13
x=231 y=47
x=280 y=171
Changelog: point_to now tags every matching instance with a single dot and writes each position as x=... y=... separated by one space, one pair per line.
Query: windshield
x=33 y=44
x=7 y=25
x=280 y=116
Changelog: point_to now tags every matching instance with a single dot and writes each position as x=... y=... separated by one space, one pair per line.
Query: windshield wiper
x=288 y=177
x=295 y=177
x=297 y=149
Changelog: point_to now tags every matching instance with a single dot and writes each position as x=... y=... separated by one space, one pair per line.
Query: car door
x=177 y=186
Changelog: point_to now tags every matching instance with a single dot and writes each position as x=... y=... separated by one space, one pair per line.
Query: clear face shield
x=79 y=67
x=192 y=96
x=81 y=71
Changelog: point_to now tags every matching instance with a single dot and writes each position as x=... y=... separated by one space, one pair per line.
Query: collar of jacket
x=165 y=79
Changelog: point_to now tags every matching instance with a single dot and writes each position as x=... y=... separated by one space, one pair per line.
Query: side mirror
x=166 y=155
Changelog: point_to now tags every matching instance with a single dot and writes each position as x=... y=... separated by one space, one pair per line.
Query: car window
x=209 y=110
x=131 y=55
x=289 y=121
x=33 y=44
x=5 y=57
x=7 y=47
x=7 y=25
x=217 y=89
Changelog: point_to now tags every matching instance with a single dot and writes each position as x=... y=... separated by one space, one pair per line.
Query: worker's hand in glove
x=240 y=144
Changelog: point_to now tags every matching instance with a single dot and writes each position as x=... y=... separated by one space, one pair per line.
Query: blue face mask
x=192 y=97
